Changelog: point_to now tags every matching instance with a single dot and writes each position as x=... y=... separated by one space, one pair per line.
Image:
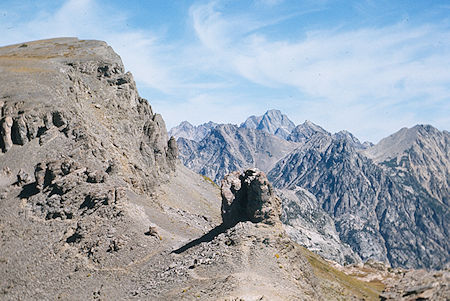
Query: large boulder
x=249 y=196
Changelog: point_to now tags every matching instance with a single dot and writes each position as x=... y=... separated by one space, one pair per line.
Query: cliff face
x=69 y=92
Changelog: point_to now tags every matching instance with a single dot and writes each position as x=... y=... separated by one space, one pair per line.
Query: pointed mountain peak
x=273 y=112
x=185 y=124
x=188 y=131
x=305 y=131
x=346 y=135
x=273 y=122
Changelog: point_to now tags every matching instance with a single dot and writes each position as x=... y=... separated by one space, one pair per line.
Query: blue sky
x=370 y=67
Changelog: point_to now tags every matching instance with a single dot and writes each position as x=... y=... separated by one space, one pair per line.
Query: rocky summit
x=94 y=203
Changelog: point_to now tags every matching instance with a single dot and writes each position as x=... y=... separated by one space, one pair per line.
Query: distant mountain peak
x=273 y=112
x=400 y=141
x=188 y=131
x=185 y=123
x=273 y=122
x=305 y=131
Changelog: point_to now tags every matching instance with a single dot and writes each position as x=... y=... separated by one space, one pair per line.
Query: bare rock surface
x=383 y=211
x=249 y=196
x=272 y=122
x=188 y=131
x=312 y=227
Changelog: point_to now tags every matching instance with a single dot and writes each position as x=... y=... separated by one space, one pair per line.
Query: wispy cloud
x=396 y=61
x=371 y=69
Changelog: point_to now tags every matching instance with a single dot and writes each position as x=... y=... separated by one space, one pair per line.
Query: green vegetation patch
x=207 y=179
x=366 y=290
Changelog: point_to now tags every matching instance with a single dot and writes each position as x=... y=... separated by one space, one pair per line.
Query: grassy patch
x=209 y=180
x=366 y=290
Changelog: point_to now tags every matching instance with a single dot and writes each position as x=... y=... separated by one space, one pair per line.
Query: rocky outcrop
x=417 y=285
x=75 y=80
x=5 y=135
x=249 y=196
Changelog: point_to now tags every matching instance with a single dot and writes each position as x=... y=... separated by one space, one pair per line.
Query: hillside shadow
x=213 y=233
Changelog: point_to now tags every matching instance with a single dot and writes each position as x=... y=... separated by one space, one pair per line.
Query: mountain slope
x=304 y=131
x=188 y=131
x=309 y=225
x=374 y=212
x=228 y=148
x=419 y=156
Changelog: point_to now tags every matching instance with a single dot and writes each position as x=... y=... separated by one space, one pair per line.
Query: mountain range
x=387 y=202
x=95 y=204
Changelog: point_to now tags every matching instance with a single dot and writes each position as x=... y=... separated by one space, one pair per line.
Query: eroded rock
x=249 y=196
x=5 y=135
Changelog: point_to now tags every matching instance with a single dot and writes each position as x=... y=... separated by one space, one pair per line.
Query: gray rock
x=19 y=131
x=188 y=131
x=23 y=177
x=352 y=139
x=5 y=135
x=86 y=230
x=303 y=132
x=248 y=196
x=310 y=226
x=388 y=212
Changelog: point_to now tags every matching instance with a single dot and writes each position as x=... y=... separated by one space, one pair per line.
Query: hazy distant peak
x=346 y=135
x=185 y=124
x=273 y=112
x=273 y=122
x=189 y=131
x=305 y=131
x=401 y=141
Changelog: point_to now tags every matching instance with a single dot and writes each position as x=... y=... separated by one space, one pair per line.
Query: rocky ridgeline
x=91 y=190
x=77 y=139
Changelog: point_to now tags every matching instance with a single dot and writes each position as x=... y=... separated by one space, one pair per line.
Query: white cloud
x=371 y=69
x=394 y=61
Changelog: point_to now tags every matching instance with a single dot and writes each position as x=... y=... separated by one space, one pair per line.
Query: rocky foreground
x=95 y=205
